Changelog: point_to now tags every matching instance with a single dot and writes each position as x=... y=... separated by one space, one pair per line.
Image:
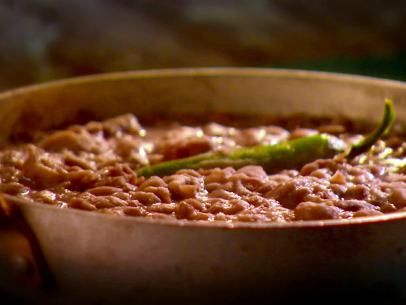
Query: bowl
x=93 y=258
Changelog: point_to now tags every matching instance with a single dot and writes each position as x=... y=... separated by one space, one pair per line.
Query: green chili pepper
x=290 y=154
x=386 y=123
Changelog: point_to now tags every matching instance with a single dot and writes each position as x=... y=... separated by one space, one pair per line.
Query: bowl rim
x=211 y=72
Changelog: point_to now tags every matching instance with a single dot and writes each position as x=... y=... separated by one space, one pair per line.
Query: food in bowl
x=286 y=169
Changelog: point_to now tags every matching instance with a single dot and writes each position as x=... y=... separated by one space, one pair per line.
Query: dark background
x=42 y=40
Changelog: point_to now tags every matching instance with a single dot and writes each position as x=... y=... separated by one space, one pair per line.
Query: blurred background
x=42 y=40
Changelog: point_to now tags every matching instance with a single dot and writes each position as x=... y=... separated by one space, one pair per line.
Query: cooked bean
x=162 y=192
x=251 y=183
x=309 y=168
x=290 y=194
x=82 y=204
x=146 y=198
x=213 y=186
x=228 y=207
x=220 y=193
x=253 y=171
x=217 y=175
x=184 y=210
x=153 y=181
x=321 y=173
x=104 y=190
x=40 y=169
x=45 y=196
x=166 y=208
x=13 y=188
x=93 y=167
x=338 y=178
x=103 y=202
x=134 y=211
x=398 y=197
x=354 y=205
x=67 y=139
x=316 y=211
x=357 y=192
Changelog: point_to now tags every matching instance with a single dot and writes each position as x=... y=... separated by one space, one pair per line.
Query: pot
x=84 y=257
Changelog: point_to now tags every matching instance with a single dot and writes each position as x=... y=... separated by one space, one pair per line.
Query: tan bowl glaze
x=103 y=259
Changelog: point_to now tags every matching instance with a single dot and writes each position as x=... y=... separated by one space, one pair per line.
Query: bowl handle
x=22 y=263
